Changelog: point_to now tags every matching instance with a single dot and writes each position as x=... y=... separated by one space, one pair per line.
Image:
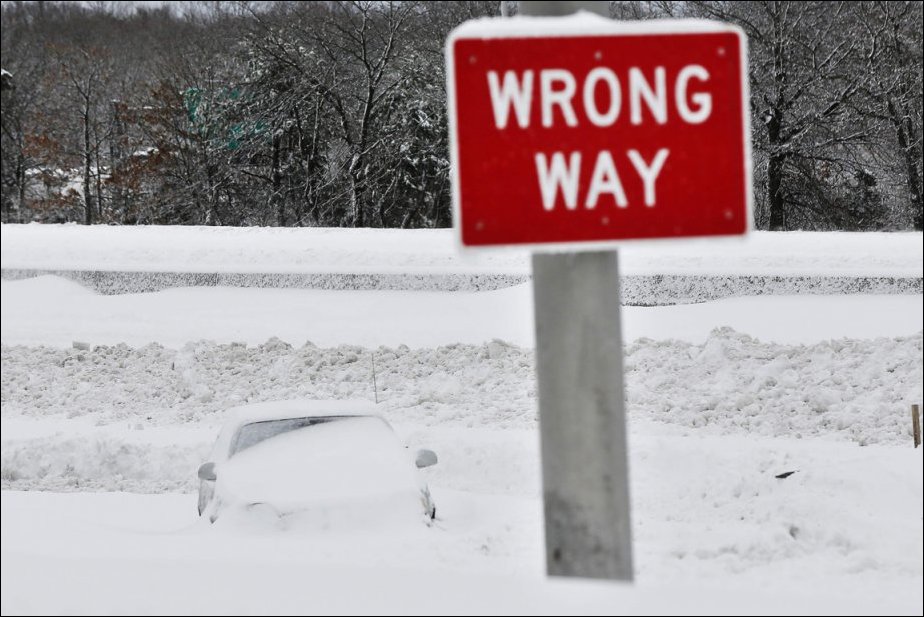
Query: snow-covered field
x=715 y=533
x=723 y=396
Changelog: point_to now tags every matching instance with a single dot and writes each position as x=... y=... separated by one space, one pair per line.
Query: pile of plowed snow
x=108 y=416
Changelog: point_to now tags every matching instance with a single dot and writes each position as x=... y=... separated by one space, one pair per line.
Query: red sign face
x=598 y=137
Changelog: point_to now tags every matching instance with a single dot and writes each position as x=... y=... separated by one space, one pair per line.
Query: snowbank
x=141 y=418
x=635 y=290
x=852 y=389
x=119 y=282
x=267 y=250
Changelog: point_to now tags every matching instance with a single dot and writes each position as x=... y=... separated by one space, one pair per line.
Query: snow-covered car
x=327 y=460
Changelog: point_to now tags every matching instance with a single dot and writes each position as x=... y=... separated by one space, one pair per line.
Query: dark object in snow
x=786 y=474
x=916 y=425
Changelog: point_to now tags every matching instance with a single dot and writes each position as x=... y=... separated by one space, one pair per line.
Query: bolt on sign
x=586 y=131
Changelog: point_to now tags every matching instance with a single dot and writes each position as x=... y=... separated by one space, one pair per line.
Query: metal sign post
x=582 y=411
x=582 y=416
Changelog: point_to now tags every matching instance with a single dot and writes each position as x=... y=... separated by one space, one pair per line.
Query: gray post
x=552 y=9
x=582 y=418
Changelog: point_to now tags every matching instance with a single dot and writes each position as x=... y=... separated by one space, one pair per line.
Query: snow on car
x=324 y=462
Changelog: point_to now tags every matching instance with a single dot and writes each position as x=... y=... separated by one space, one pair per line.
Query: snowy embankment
x=142 y=259
x=635 y=290
x=316 y=250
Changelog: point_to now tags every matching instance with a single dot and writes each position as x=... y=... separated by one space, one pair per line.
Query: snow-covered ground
x=151 y=248
x=723 y=396
x=715 y=533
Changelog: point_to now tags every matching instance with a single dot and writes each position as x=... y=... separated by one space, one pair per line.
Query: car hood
x=334 y=465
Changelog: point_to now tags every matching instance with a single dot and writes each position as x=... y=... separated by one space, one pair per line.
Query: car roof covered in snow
x=300 y=408
x=237 y=417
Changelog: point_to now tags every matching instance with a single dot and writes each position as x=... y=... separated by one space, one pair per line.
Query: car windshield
x=255 y=432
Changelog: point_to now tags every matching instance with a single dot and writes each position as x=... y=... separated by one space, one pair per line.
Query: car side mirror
x=426 y=458
x=207 y=471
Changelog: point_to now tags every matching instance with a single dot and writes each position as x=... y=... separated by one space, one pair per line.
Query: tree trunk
x=775 y=122
x=211 y=217
x=775 y=174
x=308 y=207
x=356 y=201
x=21 y=187
x=775 y=194
x=276 y=197
x=912 y=173
x=99 y=188
x=406 y=219
x=87 y=199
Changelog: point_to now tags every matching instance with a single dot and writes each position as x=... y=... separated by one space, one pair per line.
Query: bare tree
x=892 y=81
x=362 y=39
x=334 y=113
x=801 y=88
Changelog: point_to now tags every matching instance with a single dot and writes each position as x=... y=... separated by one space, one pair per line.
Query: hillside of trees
x=334 y=113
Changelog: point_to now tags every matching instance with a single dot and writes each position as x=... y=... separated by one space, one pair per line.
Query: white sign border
x=578 y=25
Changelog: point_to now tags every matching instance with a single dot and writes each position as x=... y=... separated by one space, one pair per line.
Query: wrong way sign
x=629 y=131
